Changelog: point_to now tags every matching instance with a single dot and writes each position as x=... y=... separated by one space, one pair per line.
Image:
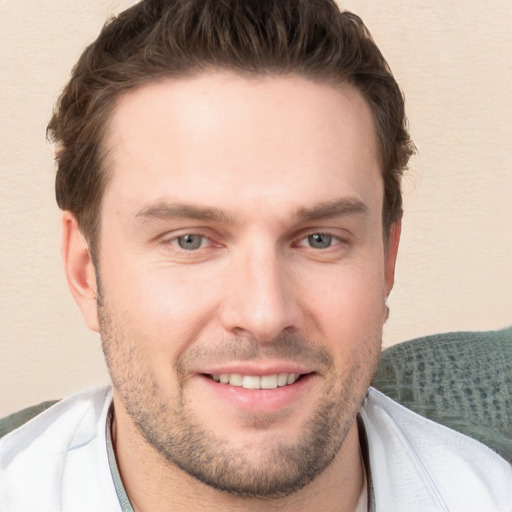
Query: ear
x=79 y=269
x=391 y=251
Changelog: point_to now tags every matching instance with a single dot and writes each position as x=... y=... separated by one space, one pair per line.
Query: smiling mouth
x=257 y=382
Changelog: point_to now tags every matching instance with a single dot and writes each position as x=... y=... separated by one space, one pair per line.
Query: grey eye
x=320 y=241
x=190 y=242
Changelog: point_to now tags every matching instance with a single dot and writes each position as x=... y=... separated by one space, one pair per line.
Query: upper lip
x=256 y=369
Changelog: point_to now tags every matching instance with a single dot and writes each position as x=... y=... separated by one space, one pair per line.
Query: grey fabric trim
x=126 y=506
x=365 y=452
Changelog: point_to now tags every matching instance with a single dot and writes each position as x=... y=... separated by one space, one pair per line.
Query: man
x=229 y=175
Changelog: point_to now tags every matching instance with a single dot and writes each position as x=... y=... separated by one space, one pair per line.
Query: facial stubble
x=168 y=423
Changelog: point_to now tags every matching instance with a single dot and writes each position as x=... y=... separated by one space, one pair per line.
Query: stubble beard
x=169 y=425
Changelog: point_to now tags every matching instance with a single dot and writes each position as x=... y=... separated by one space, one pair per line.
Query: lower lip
x=261 y=400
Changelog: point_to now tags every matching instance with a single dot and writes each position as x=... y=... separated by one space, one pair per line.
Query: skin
x=254 y=167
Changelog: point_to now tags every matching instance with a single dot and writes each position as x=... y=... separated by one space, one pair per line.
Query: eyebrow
x=165 y=211
x=339 y=207
x=327 y=210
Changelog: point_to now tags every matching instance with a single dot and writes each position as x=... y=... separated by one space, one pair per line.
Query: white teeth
x=235 y=379
x=292 y=377
x=282 y=379
x=255 y=382
x=269 y=382
x=250 y=382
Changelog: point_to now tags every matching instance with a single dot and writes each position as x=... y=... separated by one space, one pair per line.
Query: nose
x=259 y=299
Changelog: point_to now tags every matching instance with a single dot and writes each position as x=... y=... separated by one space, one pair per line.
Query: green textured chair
x=462 y=380
x=17 y=419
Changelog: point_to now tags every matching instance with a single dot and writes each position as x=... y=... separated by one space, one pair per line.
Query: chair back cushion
x=461 y=379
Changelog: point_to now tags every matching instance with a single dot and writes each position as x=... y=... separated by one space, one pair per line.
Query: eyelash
x=205 y=241
x=333 y=240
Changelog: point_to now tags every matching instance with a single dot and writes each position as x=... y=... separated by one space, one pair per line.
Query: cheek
x=167 y=307
x=353 y=293
x=348 y=311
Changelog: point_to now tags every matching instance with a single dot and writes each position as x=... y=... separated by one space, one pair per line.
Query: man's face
x=241 y=247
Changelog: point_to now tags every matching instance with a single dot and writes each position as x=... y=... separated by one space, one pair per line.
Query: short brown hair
x=169 y=38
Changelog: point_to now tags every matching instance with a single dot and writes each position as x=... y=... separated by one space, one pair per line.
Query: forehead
x=222 y=137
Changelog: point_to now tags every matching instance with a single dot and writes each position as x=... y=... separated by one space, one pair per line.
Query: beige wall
x=453 y=60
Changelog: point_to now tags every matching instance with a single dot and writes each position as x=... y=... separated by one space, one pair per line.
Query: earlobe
x=391 y=254
x=80 y=271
